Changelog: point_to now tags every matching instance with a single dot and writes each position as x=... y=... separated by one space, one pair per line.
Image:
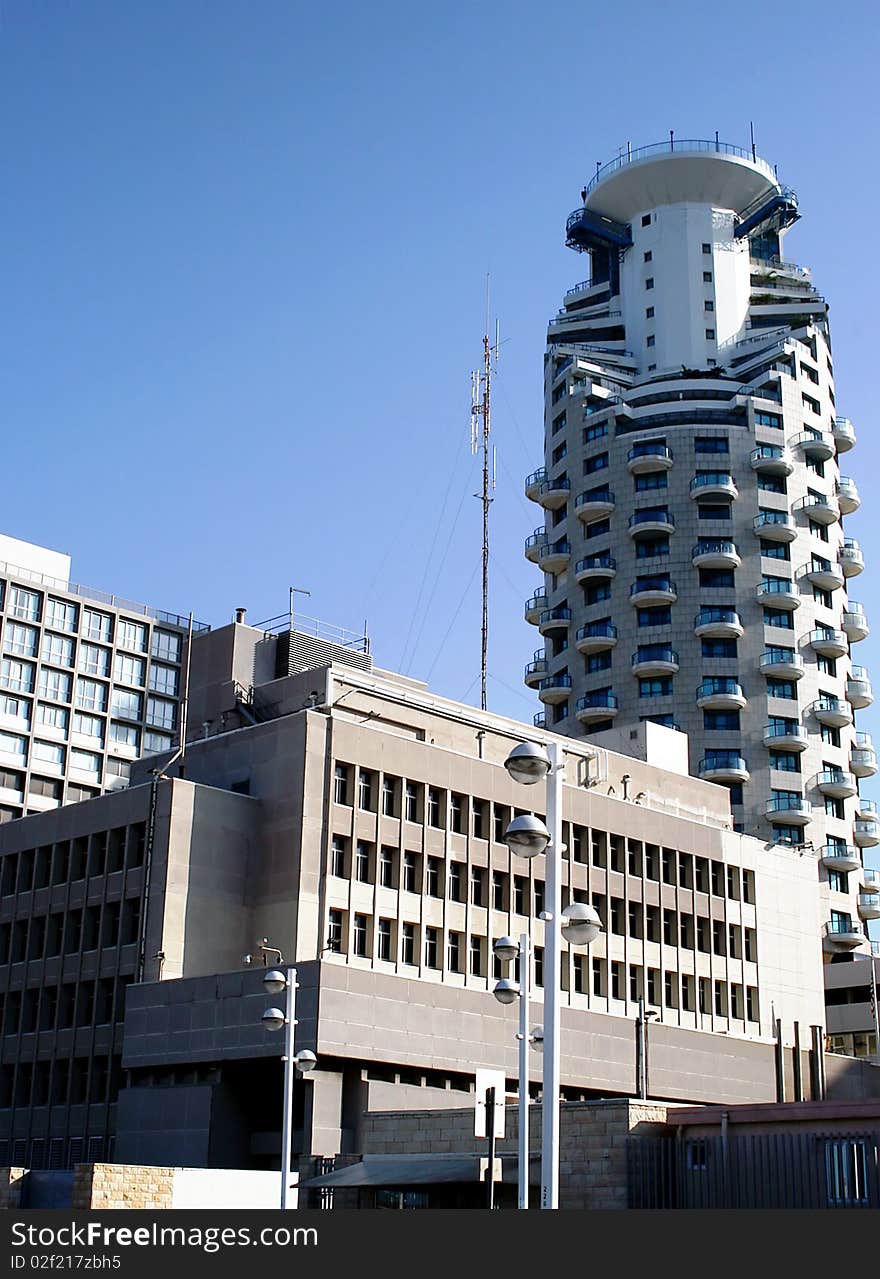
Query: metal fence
x=770 y=1170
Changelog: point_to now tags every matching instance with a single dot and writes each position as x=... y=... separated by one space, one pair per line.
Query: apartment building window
x=653 y=481
x=340 y=783
x=433 y=882
x=650 y=340
x=559 y=453
x=648 y=255
x=711 y=444
x=408 y=944
x=334 y=931
x=595 y=432
x=124 y=704
x=129 y=670
x=94 y=660
x=453 y=953
x=131 y=635
x=476 y=956
x=166 y=646
x=386 y=866
x=658 y=687
x=456 y=881
x=163 y=679
x=431 y=948
x=155 y=743
x=20 y=639
x=411 y=802
x=88 y=725
x=13 y=745
x=410 y=875
x=362 y=862
x=24 y=604
x=383 y=940
x=649 y=283
x=390 y=787
x=338 y=856
x=359 y=936
x=649 y=313
x=60 y=615
x=97 y=626
x=15 y=708
x=366 y=781
x=161 y=714
x=710 y=335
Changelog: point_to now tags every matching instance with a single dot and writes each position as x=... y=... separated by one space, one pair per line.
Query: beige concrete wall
x=105 y=1186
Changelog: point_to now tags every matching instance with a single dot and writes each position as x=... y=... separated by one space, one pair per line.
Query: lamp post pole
x=287 y=1119
x=552 y=939
x=524 y=965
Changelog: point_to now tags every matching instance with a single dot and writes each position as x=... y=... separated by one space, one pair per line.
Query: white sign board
x=487 y=1079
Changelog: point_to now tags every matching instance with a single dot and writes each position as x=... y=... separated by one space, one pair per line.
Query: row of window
x=69 y=1006
x=50 y=756
x=57 y=650
x=85 y=857
x=115 y=923
x=61 y=1082
x=15 y=707
x=21 y=677
x=62 y=615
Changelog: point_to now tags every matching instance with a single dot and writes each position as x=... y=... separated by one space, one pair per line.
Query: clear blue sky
x=244 y=249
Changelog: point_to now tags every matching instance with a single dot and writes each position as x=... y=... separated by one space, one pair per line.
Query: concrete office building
x=88 y=682
x=354 y=820
x=697 y=570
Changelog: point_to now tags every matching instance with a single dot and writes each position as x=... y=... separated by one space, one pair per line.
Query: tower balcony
x=534 y=482
x=822 y=573
x=858 y=688
x=848 y=498
x=720 y=693
x=651 y=520
x=866 y=832
x=855 y=622
x=535 y=543
x=723 y=766
x=649 y=455
x=539 y=719
x=850 y=557
x=828 y=643
x=867 y=808
x=789 y=737
x=843 y=934
x=714 y=484
x=837 y=783
x=554 y=620
x=833 y=711
x=818 y=445
x=595 y=504
x=554 y=689
x=782 y=662
x=775 y=526
x=653 y=590
x=554 y=557
x=863 y=756
x=595 y=706
x=771 y=459
x=655 y=659
x=595 y=637
x=536 y=670
x=844 y=434
x=715 y=553
x=535 y=606
x=778 y=592
x=841 y=857
x=788 y=810
x=822 y=508
x=869 y=905
x=595 y=568
x=870 y=880
x=718 y=623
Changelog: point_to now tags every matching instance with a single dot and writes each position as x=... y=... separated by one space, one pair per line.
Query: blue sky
x=244 y=250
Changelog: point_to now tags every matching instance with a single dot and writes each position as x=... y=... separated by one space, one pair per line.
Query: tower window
x=649 y=283
x=650 y=341
x=646 y=219
x=707 y=277
x=649 y=313
x=710 y=334
x=648 y=255
x=708 y=306
x=707 y=248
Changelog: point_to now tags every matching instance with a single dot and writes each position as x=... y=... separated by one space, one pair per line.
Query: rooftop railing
x=632 y=155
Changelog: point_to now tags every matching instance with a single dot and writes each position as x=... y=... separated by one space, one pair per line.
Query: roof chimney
x=240 y=614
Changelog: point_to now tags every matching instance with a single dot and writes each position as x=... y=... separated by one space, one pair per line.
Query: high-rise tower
x=696 y=566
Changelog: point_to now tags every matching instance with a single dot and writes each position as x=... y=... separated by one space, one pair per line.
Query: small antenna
x=295 y=590
x=481 y=387
x=752 y=135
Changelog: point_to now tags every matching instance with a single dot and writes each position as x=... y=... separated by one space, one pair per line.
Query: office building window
x=453 y=953
x=337 y=856
x=12 y=745
x=129 y=670
x=408 y=944
x=20 y=639
x=359 y=936
x=476 y=956
x=384 y=940
x=88 y=725
x=410 y=868
x=156 y=743
x=131 y=635
x=362 y=862
x=334 y=932
x=60 y=615
x=125 y=734
x=56 y=686
x=411 y=802
x=53 y=716
x=432 y=959
x=97 y=626
x=166 y=646
x=161 y=714
x=163 y=679
x=85 y=760
x=16 y=676
x=94 y=660
x=125 y=704
x=366 y=790
x=24 y=604
x=389 y=795
x=386 y=866
x=456 y=881
x=433 y=882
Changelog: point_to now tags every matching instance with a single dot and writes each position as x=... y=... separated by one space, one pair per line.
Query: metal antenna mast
x=481 y=389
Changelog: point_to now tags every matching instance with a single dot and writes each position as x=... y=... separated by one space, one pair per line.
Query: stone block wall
x=104 y=1186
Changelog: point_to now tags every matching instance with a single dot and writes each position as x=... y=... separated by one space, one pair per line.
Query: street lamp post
x=506 y=992
x=274 y=1019
x=528 y=836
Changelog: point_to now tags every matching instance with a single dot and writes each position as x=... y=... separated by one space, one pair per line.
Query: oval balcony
x=595 y=637
x=828 y=642
x=535 y=607
x=554 y=557
x=840 y=857
x=778 y=592
x=837 y=783
x=774 y=526
x=869 y=905
x=858 y=688
x=844 y=434
x=818 y=445
x=822 y=573
x=789 y=737
x=822 y=508
x=653 y=590
x=535 y=543
x=715 y=553
x=771 y=459
x=782 y=662
x=847 y=495
x=863 y=756
x=723 y=766
x=833 y=711
x=649 y=455
x=866 y=832
x=655 y=659
x=718 y=623
x=788 y=810
x=596 y=706
x=867 y=808
x=534 y=482
x=539 y=719
x=870 y=880
x=720 y=693
x=843 y=934
x=854 y=622
x=651 y=520
x=594 y=504
x=850 y=557
x=554 y=688
x=554 y=620
x=713 y=484
x=594 y=568
x=536 y=670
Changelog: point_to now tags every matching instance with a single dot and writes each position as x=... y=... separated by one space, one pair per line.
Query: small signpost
x=489 y=1119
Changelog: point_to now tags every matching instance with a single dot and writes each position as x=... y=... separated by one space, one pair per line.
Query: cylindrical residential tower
x=696 y=566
